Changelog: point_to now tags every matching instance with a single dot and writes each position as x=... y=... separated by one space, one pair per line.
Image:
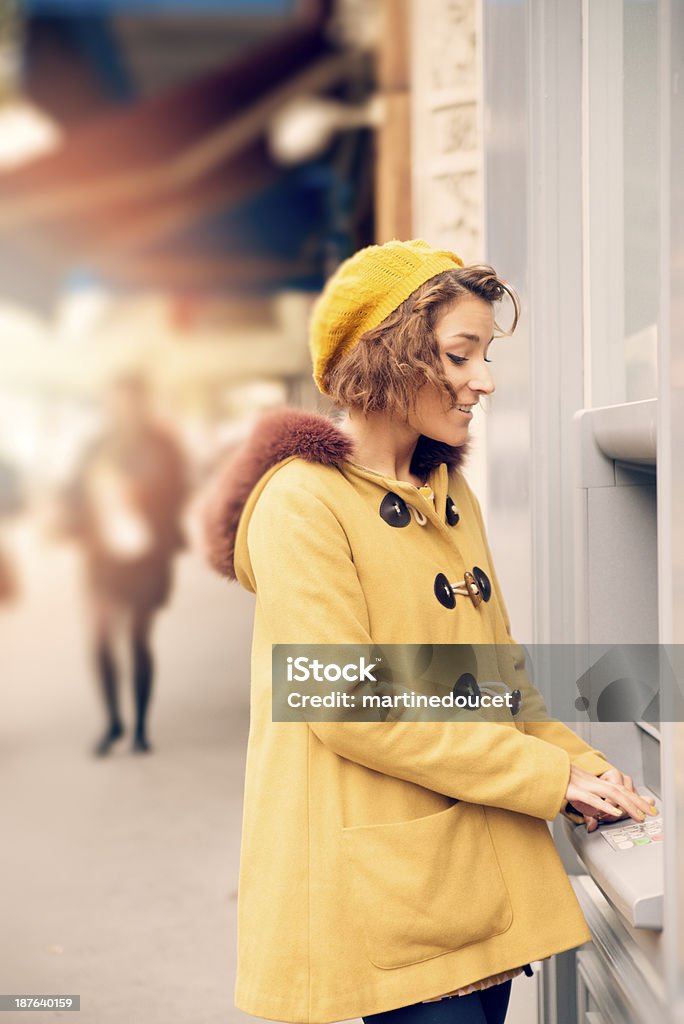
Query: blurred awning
x=158 y=194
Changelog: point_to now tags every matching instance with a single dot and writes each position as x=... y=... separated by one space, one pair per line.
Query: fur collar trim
x=278 y=435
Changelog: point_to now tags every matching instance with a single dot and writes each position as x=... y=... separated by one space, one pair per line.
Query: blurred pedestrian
x=125 y=505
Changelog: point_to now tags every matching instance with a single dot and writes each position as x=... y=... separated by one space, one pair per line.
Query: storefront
x=583 y=167
x=547 y=137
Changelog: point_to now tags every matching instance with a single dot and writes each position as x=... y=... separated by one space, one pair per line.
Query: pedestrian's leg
x=107 y=672
x=143 y=671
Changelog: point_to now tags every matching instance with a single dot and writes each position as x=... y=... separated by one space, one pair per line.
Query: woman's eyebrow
x=469 y=337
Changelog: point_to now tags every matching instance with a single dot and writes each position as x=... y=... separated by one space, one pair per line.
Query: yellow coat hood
x=277 y=437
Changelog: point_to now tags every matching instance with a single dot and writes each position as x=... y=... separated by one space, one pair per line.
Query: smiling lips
x=468 y=409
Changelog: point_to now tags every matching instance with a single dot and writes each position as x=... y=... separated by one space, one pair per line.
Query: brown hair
x=388 y=365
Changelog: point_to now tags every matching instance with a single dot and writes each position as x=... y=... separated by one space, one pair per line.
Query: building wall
x=446 y=152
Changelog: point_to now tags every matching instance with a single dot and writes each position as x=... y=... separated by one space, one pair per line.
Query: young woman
x=397 y=871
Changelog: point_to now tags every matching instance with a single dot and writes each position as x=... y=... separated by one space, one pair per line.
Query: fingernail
x=641 y=817
x=654 y=810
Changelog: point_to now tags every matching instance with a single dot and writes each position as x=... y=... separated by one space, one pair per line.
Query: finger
x=642 y=804
x=633 y=803
x=650 y=800
x=607 y=807
x=598 y=804
x=635 y=810
x=611 y=811
x=591 y=823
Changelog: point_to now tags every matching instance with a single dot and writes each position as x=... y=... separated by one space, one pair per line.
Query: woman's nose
x=482 y=382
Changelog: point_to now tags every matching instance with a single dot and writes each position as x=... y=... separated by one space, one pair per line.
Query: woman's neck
x=382 y=444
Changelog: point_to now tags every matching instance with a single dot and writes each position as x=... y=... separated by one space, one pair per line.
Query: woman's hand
x=611 y=796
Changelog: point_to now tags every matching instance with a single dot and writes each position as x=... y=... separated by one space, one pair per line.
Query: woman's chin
x=454 y=438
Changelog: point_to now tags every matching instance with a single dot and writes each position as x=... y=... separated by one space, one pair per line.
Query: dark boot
x=114 y=732
x=143 y=670
x=107 y=675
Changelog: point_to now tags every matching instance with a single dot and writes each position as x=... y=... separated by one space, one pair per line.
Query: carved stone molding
x=453 y=130
x=447 y=157
x=449 y=42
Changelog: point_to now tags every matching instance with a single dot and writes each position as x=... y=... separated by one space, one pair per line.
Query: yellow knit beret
x=364 y=290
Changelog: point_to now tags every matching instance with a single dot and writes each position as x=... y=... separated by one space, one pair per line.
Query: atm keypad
x=626 y=836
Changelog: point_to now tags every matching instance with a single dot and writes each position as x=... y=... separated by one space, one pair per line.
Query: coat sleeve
x=308 y=591
x=546 y=728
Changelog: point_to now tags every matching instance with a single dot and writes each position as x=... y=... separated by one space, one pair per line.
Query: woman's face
x=463 y=332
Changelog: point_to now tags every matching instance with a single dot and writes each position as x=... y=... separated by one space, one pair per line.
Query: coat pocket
x=428 y=886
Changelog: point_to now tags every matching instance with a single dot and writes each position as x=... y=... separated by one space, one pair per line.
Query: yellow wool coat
x=382 y=863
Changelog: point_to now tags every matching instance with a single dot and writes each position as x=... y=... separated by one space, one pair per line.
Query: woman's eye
x=463 y=359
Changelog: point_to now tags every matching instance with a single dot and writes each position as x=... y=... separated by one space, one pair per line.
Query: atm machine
x=622 y=884
x=584 y=212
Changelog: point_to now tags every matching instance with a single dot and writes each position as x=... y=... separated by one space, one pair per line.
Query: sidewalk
x=120 y=874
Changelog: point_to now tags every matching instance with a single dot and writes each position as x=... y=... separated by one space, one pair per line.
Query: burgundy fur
x=276 y=436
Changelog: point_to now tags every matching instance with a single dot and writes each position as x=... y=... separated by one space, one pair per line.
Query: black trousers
x=486 y=1007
